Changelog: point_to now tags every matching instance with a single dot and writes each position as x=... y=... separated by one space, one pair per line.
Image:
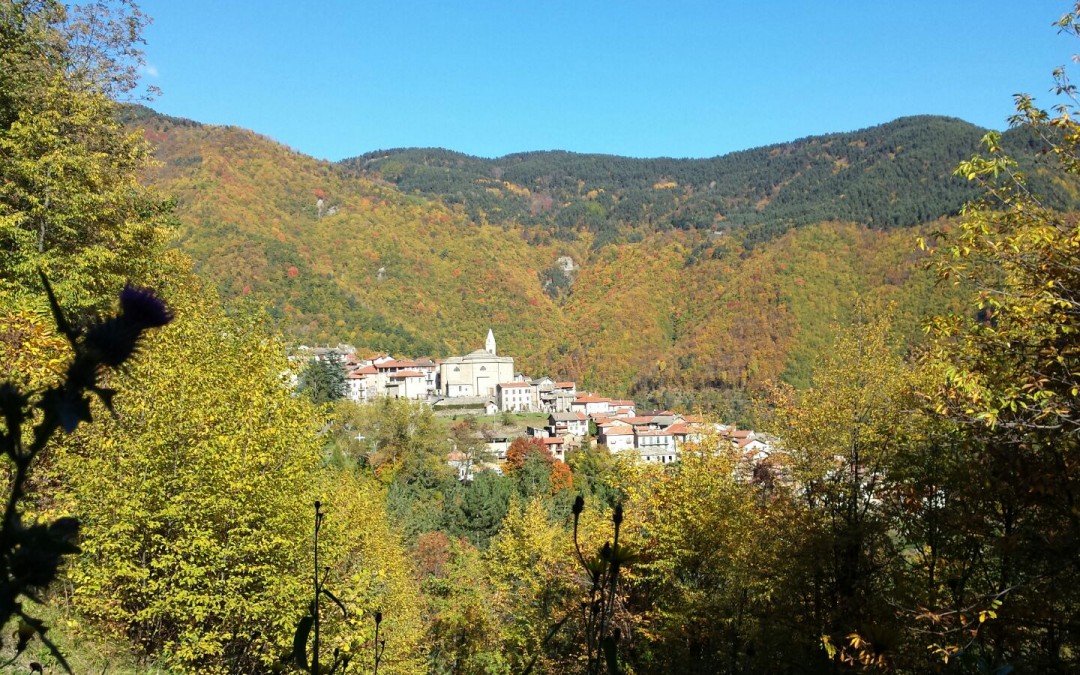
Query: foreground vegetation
x=922 y=516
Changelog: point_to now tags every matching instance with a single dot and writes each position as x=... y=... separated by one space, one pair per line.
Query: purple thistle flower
x=143 y=307
x=116 y=339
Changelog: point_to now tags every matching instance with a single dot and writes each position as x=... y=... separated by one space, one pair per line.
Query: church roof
x=480 y=356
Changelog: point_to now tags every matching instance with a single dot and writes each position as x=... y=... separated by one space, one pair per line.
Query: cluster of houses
x=483 y=381
x=656 y=436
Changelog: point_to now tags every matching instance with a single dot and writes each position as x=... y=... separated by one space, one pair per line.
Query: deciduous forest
x=898 y=306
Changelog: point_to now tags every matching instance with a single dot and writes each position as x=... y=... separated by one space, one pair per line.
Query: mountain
x=675 y=281
x=892 y=175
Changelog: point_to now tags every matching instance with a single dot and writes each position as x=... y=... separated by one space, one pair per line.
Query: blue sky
x=335 y=79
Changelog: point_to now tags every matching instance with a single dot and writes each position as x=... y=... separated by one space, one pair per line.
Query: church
x=475 y=374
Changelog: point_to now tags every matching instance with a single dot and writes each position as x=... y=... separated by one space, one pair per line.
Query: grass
x=87 y=651
x=517 y=425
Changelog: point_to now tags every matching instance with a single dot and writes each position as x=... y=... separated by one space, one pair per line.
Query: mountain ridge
x=667 y=313
x=894 y=174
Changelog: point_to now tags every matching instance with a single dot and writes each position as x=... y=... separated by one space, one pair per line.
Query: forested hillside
x=171 y=495
x=893 y=175
x=667 y=312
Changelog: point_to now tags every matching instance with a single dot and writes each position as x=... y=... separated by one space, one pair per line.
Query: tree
x=404 y=440
x=1008 y=380
x=466 y=626
x=31 y=553
x=595 y=473
x=370 y=571
x=323 y=379
x=521 y=448
x=191 y=548
x=70 y=200
x=476 y=509
x=531 y=571
x=842 y=438
x=467 y=438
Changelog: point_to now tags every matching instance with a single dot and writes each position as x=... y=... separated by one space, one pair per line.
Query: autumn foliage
x=520 y=450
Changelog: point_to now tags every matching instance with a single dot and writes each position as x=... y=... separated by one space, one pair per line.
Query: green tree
x=192 y=549
x=476 y=509
x=465 y=626
x=1008 y=379
x=596 y=475
x=531 y=571
x=370 y=571
x=842 y=437
x=402 y=437
x=70 y=200
x=468 y=438
x=323 y=379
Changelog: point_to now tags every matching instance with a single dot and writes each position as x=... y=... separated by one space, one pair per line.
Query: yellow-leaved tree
x=193 y=498
x=370 y=572
x=710 y=547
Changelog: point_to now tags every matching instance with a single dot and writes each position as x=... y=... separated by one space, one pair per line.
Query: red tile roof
x=395 y=364
x=507 y=385
x=652 y=432
x=401 y=375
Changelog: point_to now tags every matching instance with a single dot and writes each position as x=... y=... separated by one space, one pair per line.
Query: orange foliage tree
x=518 y=452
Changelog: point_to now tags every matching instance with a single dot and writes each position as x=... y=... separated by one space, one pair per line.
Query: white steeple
x=489 y=344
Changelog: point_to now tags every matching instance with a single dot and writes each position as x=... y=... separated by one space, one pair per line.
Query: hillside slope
x=891 y=175
x=663 y=313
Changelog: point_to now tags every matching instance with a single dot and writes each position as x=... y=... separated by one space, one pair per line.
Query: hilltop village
x=485 y=383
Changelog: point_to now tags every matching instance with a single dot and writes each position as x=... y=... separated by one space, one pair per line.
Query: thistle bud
x=143 y=307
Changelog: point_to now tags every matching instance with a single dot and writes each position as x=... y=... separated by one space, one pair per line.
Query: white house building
x=572 y=423
x=514 y=396
x=655 y=445
x=409 y=384
x=360 y=384
x=591 y=405
x=617 y=437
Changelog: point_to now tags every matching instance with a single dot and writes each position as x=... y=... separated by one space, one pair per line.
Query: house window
x=456 y=369
x=483 y=367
